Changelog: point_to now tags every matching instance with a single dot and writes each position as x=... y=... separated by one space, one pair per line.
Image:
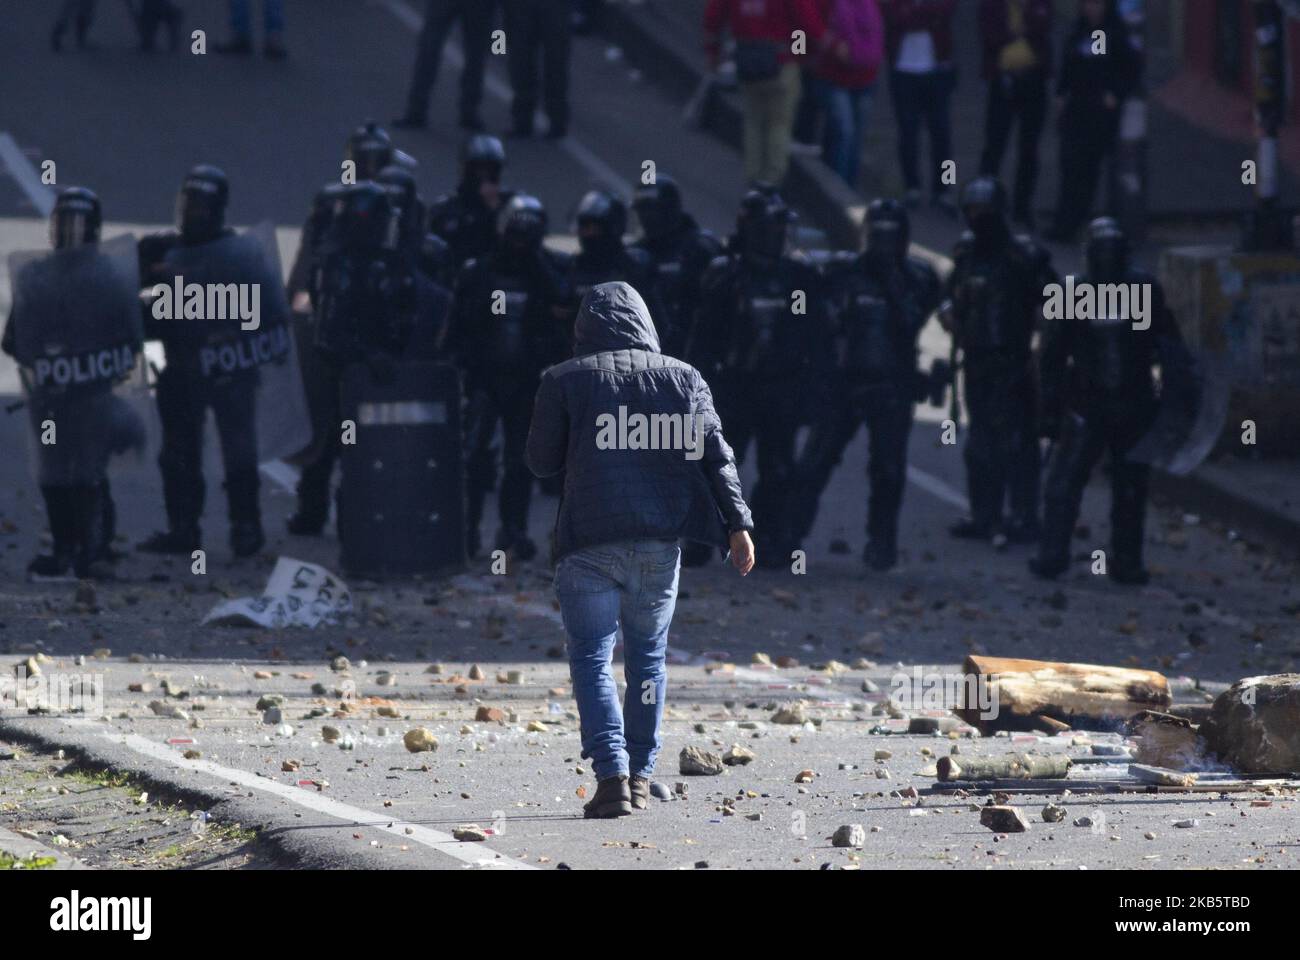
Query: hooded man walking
x=645 y=464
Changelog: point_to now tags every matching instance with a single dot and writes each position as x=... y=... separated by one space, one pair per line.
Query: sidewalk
x=663 y=39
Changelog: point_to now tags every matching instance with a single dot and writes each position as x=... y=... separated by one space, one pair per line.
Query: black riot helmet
x=984 y=205
x=482 y=158
x=404 y=195
x=658 y=206
x=201 y=204
x=602 y=219
x=365 y=219
x=887 y=229
x=523 y=225
x=371 y=149
x=75 y=219
x=1106 y=250
x=763 y=224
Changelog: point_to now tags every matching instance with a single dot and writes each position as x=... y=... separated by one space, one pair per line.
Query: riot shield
x=76 y=336
x=232 y=321
x=1195 y=388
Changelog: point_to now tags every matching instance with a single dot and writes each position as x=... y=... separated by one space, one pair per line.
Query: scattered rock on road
x=694 y=762
x=849 y=835
x=1003 y=819
x=420 y=740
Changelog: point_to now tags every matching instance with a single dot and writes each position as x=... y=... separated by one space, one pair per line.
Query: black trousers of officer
x=184 y=397
x=1001 y=453
x=539 y=29
x=1079 y=446
x=887 y=411
x=762 y=409
x=73 y=476
x=1088 y=137
x=476 y=17
x=322 y=381
x=513 y=409
x=1018 y=99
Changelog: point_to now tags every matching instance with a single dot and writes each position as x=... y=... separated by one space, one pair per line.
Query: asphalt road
x=129 y=125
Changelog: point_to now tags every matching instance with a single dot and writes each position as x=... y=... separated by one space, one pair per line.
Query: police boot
x=108 y=523
x=313 y=500
x=246 y=537
x=58 y=564
x=183 y=496
x=89 y=562
x=1053 y=557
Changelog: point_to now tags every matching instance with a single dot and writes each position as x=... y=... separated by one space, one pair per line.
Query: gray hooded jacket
x=635 y=433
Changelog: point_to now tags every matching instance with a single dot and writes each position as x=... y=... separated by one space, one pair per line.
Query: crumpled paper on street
x=297 y=594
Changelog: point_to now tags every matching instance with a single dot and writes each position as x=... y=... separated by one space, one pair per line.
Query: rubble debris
x=1053 y=813
x=794 y=713
x=1003 y=819
x=420 y=740
x=694 y=762
x=849 y=835
x=738 y=756
x=1254 y=725
x=1165 y=740
x=1084 y=696
x=470 y=833
x=1161 y=777
x=489 y=715
x=1019 y=766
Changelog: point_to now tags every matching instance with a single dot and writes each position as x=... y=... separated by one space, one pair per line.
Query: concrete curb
x=301 y=840
x=23 y=848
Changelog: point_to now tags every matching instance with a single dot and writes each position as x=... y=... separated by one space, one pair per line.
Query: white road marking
x=597 y=168
x=936 y=487
x=25 y=175
x=475 y=853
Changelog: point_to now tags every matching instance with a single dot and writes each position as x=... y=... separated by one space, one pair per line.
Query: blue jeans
x=846 y=126
x=632 y=584
x=241 y=17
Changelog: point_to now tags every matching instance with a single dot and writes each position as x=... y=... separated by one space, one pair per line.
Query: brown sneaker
x=640 y=789
x=612 y=799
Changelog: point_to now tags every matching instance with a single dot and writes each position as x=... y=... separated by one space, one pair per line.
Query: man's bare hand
x=742 y=552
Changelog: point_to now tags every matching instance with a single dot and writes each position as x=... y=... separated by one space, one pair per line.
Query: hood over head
x=613 y=317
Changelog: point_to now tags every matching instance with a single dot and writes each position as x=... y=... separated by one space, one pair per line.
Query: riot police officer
x=602 y=256
x=879 y=301
x=467 y=217
x=680 y=251
x=506 y=327
x=369 y=150
x=1099 y=396
x=428 y=255
x=995 y=300
x=191 y=381
x=760 y=339
x=75 y=331
x=365 y=301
